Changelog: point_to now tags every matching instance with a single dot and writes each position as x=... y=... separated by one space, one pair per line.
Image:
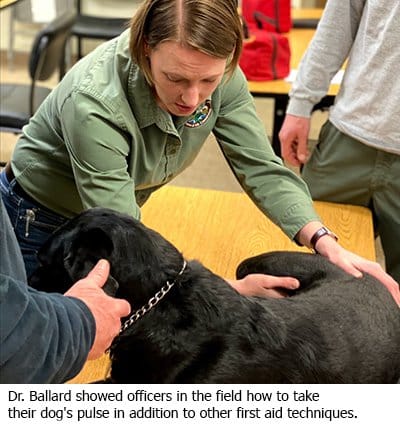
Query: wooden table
x=5 y=3
x=299 y=39
x=222 y=228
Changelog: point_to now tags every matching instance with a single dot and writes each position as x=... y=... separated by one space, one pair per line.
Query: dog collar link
x=152 y=302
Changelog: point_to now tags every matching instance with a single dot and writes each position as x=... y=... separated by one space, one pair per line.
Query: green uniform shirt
x=100 y=139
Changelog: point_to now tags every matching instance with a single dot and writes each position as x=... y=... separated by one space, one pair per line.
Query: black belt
x=17 y=188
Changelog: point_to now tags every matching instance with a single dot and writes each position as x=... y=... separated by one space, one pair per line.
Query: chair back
x=48 y=48
x=48 y=52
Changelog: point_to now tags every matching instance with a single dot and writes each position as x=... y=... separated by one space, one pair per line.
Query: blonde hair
x=210 y=26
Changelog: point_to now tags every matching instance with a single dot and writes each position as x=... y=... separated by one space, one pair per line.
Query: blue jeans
x=32 y=222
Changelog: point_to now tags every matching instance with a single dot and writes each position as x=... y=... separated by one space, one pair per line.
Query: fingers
x=355 y=265
x=100 y=272
x=289 y=148
x=107 y=314
x=291 y=156
x=294 y=139
x=123 y=307
x=349 y=268
x=107 y=311
x=388 y=281
x=286 y=282
x=375 y=270
x=275 y=286
x=302 y=150
x=99 y=275
x=262 y=285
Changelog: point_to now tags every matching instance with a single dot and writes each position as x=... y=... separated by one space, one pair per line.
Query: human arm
x=98 y=150
x=347 y=260
x=276 y=190
x=294 y=139
x=107 y=311
x=325 y=55
x=261 y=285
x=271 y=286
x=46 y=338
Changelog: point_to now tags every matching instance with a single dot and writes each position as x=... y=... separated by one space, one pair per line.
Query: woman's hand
x=262 y=285
x=355 y=264
x=348 y=261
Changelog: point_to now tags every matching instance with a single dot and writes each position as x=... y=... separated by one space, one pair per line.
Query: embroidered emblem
x=200 y=116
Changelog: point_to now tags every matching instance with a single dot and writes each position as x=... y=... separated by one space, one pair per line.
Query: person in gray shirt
x=357 y=158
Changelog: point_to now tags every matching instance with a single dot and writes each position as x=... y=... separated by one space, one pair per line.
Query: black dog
x=192 y=327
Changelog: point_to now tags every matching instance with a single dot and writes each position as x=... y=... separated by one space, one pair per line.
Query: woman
x=136 y=111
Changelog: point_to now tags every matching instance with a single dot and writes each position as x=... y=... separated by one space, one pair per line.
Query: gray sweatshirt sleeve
x=325 y=55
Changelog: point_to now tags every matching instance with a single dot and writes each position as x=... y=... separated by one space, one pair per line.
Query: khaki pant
x=344 y=170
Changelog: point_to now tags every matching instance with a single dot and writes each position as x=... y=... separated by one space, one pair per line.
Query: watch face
x=320 y=233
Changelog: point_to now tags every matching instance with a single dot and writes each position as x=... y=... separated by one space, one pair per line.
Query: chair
x=95 y=27
x=19 y=101
x=27 y=17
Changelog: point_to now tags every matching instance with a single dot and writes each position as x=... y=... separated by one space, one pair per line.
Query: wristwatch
x=320 y=233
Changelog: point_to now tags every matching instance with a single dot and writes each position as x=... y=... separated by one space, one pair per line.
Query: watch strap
x=323 y=231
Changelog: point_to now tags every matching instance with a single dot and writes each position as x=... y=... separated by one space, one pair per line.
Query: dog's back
x=334 y=330
x=357 y=320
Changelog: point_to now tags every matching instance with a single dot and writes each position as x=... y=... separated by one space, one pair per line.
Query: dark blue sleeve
x=44 y=338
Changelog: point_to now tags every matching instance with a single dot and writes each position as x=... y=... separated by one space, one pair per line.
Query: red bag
x=265 y=56
x=271 y=15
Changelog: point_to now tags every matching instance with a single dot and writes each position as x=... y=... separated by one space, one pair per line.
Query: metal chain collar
x=152 y=302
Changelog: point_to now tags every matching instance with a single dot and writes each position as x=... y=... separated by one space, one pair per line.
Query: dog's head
x=141 y=259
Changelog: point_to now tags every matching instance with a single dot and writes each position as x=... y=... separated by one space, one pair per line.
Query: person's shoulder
x=104 y=73
x=107 y=64
x=233 y=87
x=234 y=82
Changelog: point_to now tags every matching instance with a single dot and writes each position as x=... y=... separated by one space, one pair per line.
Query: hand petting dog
x=357 y=265
x=261 y=285
x=107 y=311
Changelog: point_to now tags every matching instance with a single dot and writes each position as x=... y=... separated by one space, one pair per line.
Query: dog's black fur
x=336 y=329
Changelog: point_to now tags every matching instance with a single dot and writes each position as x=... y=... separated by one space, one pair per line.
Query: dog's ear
x=86 y=249
x=52 y=251
x=51 y=275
